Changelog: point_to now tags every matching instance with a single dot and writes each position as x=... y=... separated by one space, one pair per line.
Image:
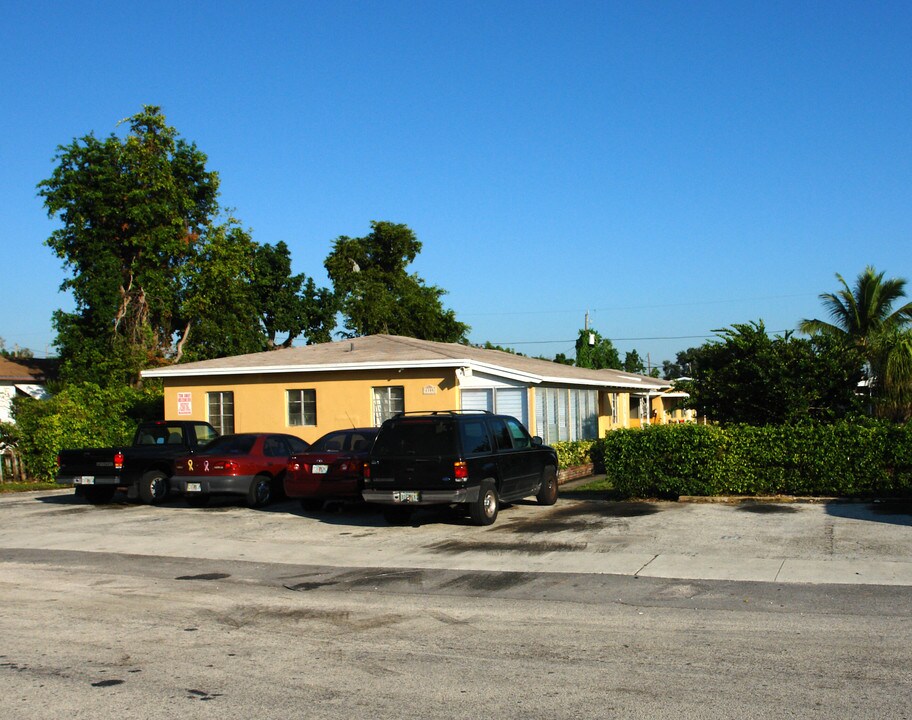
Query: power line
x=639 y=307
x=625 y=339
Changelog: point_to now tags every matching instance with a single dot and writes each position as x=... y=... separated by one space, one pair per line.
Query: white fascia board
x=633 y=384
x=177 y=371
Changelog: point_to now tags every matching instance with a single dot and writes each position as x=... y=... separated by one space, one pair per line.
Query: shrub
x=82 y=415
x=573 y=453
x=839 y=459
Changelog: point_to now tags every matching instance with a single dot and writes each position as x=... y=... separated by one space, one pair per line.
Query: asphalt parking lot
x=652 y=610
x=795 y=542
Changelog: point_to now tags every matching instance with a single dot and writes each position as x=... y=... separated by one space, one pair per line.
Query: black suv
x=473 y=459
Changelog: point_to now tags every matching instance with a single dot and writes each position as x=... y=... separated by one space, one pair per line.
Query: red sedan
x=331 y=468
x=247 y=464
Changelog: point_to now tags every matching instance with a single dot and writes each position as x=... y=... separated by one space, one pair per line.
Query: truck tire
x=547 y=494
x=484 y=510
x=153 y=487
x=260 y=491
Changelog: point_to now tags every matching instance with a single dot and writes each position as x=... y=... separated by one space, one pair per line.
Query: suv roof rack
x=443 y=412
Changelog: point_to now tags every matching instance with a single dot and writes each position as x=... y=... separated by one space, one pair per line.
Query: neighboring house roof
x=382 y=352
x=27 y=375
x=26 y=370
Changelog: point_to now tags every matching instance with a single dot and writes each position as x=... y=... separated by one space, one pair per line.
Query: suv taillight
x=118 y=461
x=366 y=471
x=460 y=470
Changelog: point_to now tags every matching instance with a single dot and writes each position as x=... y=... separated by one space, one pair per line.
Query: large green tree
x=746 y=376
x=219 y=313
x=132 y=210
x=866 y=317
x=681 y=367
x=290 y=305
x=377 y=294
x=594 y=351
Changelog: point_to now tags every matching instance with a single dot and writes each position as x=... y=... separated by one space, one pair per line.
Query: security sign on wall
x=184 y=403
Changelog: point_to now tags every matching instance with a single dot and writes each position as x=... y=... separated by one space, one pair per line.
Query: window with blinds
x=563 y=414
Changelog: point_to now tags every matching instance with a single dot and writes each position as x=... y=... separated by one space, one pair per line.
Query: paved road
x=128 y=611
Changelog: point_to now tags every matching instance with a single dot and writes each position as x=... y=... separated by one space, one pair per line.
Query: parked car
x=248 y=464
x=330 y=469
x=471 y=459
x=143 y=469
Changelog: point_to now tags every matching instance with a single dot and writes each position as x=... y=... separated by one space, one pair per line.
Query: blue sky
x=672 y=168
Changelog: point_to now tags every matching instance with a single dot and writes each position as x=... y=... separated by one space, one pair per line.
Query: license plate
x=320 y=469
x=410 y=496
x=194 y=487
x=84 y=480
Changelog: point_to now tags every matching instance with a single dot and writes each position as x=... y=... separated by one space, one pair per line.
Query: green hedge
x=842 y=459
x=573 y=453
x=83 y=415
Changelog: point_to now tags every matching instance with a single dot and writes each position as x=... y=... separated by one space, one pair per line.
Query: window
x=502 y=437
x=566 y=414
x=275 y=446
x=302 y=407
x=221 y=411
x=388 y=402
x=203 y=434
x=505 y=401
x=474 y=437
x=520 y=437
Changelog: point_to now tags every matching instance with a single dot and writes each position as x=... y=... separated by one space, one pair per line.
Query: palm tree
x=864 y=317
x=861 y=313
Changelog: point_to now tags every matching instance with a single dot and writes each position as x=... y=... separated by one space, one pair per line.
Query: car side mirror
x=537 y=441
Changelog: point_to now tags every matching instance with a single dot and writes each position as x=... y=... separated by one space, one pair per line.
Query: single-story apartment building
x=311 y=390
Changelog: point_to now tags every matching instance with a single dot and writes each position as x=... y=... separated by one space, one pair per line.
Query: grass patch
x=601 y=484
x=13 y=487
x=600 y=488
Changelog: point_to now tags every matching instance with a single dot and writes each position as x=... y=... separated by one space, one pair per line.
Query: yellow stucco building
x=308 y=391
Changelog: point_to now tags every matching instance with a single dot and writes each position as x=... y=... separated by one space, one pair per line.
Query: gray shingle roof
x=393 y=351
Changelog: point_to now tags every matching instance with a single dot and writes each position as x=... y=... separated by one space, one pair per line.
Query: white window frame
x=307 y=416
x=388 y=401
x=222 y=421
x=564 y=414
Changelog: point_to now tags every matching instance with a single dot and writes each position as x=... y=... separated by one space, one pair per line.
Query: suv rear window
x=421 y=436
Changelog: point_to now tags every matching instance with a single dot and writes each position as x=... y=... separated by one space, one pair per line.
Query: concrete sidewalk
x=776 y=542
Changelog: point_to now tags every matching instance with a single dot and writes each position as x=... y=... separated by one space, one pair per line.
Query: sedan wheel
x=260 y=492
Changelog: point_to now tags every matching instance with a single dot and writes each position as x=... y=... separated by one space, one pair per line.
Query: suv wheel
x=484 y=510
x=153 y=487
x=547 y=494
